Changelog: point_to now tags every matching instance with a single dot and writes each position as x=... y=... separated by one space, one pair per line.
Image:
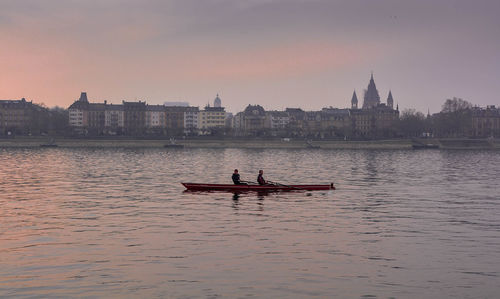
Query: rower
x=236 y=178
x=260 y=178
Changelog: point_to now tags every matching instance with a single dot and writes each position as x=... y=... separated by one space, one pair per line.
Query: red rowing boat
x=262 y=188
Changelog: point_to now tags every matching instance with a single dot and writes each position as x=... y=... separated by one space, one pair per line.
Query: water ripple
x=116 y=223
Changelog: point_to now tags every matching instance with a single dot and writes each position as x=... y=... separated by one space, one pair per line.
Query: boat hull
x=258 y=188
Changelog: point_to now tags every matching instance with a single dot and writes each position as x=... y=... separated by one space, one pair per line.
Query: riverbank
x=35 y=142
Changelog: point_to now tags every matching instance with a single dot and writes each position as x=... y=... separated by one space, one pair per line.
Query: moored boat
x=173 y=146
x=48 y=145
x=51 y=143
x=258 y=188
x=425 y=146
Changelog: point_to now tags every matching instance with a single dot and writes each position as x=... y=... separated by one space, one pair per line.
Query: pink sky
x=277 y=54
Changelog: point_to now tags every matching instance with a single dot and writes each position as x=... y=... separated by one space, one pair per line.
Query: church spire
x=371 y=99
x=354 y=101
x=390 y=100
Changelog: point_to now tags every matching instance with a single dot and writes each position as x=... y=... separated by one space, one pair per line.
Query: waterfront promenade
x=31 y=142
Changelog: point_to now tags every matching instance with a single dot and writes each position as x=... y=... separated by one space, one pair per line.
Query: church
x=374 y=119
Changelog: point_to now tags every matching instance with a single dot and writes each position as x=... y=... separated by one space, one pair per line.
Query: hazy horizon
x=308 y=54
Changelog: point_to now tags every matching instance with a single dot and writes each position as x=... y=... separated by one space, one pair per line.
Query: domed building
x=217 y=102
x=212 y=117
x=255 y=117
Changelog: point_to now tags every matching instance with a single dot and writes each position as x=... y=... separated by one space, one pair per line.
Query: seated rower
x=260 y=178
x=236 y=178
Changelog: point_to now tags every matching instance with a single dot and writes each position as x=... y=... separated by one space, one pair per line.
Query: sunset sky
x=276 y=53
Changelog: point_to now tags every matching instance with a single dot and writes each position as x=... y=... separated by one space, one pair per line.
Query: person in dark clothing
x=260 y=178
x=236 y=178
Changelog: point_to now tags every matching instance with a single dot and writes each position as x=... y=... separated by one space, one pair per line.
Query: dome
x=255 y=110
x=217 y=101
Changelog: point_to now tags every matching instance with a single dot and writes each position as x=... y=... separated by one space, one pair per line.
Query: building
x=486 y=121
x=371 y=98
x=174 y=117
x=134 y=114
x=354 y=101
x=110 y=119
x=254 y=119
x=22 y=117
x=277 y=120
x=212 y=118
x=335 y=122
x=390 y=101
x=377 y=122
x=97 y=118
x=85 y=117
x=296 y=120
x=228 y=120
x=375 y=119
x=78 y=112
x=114 y=119
x=312 y=123
x=155 y=116
x=217 y=102
x=137 y=118
x=191 y=120
x=329 y=122
x=177 y=104
x=237 y=124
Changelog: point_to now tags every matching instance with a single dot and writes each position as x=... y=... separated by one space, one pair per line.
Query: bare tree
x=455 y=118
x=412 y=123
x=454 y=105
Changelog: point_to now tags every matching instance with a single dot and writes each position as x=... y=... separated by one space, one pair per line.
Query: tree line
x=454 y=120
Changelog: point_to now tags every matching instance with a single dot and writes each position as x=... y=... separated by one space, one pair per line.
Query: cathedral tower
x=390 y=101
x=354 y=101
x=371 y=99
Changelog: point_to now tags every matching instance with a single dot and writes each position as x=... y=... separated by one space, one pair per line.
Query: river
x=117 y=223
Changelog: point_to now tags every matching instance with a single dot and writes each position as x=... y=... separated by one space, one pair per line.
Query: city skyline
x=275 y=54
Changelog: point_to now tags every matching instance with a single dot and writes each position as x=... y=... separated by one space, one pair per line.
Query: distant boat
x=51 y=143
x=311 y=145
x=172 y=144
x=48 y=145
x=424 y=146
x=417 y=144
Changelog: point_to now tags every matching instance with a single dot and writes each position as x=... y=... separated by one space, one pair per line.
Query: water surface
x=116 y=223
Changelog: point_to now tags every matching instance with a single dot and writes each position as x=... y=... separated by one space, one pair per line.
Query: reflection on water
x=116 y=223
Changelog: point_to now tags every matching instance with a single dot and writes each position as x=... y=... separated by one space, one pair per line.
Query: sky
x=275 y=53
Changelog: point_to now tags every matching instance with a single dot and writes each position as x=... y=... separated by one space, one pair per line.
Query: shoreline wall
x=35 y=142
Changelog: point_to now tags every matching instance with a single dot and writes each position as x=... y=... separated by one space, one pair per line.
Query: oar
x=249 y=183
x=279 y=184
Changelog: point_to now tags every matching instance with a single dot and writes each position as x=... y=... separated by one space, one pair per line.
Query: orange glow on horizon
x=55 y=74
